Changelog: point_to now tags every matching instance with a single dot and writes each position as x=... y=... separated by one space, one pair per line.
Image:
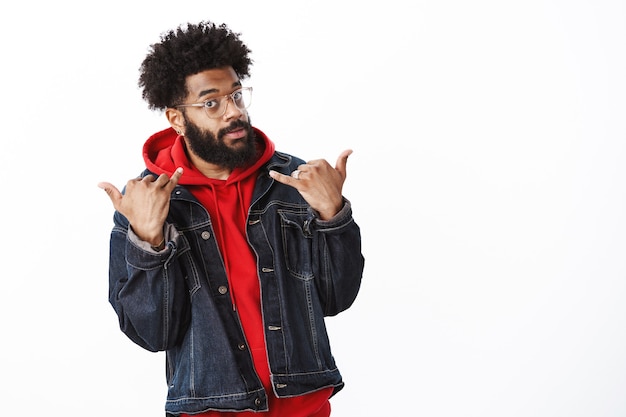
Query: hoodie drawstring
x=221 y=240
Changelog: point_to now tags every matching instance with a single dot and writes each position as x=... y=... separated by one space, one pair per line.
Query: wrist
x=155 y=240
x=330 y=212
x=158 y=247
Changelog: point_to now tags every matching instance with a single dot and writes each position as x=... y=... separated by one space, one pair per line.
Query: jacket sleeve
x=147 y=289
x=338 y=260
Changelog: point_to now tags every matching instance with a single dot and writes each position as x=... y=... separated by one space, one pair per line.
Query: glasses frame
x=220 y=98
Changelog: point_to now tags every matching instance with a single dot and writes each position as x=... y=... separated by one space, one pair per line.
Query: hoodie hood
x=164 y=151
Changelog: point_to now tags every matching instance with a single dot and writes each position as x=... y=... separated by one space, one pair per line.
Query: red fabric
x=311 y=405
x=227 y=202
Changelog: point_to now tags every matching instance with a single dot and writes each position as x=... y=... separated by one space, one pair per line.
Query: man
x=225 y=253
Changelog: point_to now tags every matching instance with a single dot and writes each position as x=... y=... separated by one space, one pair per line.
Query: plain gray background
x=487 y=177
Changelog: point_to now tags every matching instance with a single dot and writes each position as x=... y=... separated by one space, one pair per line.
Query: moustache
x=237 y=124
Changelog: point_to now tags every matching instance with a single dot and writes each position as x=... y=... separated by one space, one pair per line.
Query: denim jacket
x=178 y=301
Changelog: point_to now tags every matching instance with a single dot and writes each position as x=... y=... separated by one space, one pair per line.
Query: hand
x=319 y=184
x=145 y=203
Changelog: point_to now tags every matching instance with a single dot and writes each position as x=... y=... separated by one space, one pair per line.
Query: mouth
x=235 y=133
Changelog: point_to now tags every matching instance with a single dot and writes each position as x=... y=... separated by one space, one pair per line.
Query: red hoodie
x=227 y=202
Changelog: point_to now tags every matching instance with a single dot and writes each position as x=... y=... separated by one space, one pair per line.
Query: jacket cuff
x=169 y=233
x=342 y=217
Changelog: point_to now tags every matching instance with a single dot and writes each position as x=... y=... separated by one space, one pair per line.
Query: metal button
x=241 y=346
x=257 y=401
x=222 y=289
x=205 y=235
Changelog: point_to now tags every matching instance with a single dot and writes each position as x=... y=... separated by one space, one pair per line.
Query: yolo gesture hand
x=145 y=204
x=319 y=183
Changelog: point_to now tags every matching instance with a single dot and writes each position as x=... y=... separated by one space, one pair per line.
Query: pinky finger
x=282 y=178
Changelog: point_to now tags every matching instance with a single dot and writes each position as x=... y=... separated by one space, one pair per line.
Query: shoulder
x=283 y=161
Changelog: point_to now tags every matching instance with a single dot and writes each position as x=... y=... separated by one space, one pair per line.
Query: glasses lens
x=217 y=107
x=214 y=108
x=242 y=98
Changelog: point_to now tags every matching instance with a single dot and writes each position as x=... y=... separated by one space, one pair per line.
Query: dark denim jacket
x=178 y=300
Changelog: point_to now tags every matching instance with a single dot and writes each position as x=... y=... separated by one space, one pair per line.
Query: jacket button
x=222 y=289
x=205 y=235
x=257 y=401
x=241 y=346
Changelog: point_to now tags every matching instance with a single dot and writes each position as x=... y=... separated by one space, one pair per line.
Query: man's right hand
x=145 y=203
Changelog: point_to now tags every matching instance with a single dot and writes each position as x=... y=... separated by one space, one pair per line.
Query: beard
x=212 y=149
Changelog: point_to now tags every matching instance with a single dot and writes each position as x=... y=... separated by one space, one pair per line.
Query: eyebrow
x=215 y=90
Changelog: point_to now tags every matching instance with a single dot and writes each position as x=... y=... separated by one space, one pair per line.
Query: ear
x=176 y=119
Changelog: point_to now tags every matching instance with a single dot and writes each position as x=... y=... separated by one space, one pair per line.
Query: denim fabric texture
x=178 y=300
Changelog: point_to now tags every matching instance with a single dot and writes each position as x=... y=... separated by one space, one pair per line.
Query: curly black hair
x=187 y=50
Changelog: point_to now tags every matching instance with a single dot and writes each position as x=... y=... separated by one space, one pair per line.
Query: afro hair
x=188 y=50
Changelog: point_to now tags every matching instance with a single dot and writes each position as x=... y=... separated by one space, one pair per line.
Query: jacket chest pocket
x=297 y=242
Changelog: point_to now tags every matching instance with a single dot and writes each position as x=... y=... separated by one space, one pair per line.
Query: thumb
x=114 y=194
x=342 y=161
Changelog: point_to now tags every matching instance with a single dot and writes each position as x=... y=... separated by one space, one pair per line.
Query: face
x=227 y=141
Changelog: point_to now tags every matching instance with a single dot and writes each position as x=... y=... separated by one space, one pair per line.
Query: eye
x=237 y=95
x=211 y=104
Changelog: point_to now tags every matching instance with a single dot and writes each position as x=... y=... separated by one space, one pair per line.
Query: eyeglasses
x=216 y=107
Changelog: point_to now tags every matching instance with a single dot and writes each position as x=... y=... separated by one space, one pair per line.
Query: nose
x=232 y=111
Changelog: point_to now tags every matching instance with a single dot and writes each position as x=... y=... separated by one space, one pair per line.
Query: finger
x=176 y=175
x=166 y=181
x=173 y=182
x=147 y=178
x=162 y=180
x=342 y=161
x=114 y=194
x=282 y=178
